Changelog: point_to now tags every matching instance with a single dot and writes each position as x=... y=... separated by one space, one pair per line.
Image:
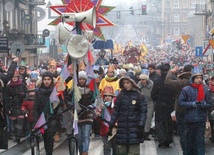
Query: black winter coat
x=164 y=98
x=130 y=114
x=41 y=104
x=15 y=95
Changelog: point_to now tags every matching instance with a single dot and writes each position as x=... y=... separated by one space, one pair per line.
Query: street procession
x=106 y=77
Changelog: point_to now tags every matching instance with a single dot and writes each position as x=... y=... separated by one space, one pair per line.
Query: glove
x=194 y=104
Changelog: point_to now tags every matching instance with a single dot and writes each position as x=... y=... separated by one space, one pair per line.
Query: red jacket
x=28 y=104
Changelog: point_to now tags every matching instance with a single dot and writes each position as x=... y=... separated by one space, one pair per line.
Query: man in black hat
x=164 y=98
x=182 y=80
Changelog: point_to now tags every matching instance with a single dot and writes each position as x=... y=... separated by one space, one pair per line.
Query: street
x=61 y=148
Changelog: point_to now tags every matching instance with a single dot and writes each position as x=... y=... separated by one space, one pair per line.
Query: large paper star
x=74 y=6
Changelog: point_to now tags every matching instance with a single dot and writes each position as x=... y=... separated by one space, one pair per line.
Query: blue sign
x=198 y=51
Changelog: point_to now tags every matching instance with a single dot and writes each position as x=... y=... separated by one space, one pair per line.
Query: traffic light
x=131 y=11
x=143 y=9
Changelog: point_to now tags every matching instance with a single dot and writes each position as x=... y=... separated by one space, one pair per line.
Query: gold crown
x=82 y=66
x=52 y=62
x=111 y=68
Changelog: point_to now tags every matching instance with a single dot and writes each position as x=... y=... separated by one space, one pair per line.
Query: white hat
x=122 y=71
x=82 y=74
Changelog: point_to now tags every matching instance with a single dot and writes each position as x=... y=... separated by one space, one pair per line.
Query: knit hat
x=47 y=74
x=82 y=74
x=122 y=71
x=144 y=77
x=108 y=90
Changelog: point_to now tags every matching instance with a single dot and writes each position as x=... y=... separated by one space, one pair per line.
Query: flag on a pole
x=75 y=122
x=54 y=98
x=105 y=115
x=40 y=122
x=65 y=72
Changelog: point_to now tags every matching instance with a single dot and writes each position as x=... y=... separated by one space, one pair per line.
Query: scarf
x=15 y=83
x=200 y=88
x=211 y=87
x=110 y=79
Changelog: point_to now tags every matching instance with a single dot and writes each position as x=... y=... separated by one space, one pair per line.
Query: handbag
x=3 y=136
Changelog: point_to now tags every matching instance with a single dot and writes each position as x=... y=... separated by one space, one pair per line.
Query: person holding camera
x=196 y=98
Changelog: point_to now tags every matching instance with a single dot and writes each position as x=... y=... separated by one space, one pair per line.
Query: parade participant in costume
x=146 y=86
x=42 y=105
x=164 y=99
x=197 y=100
x=110 y=79
x=177 y=84
x=28 y=104
x=15 y=94
x=130 y=114
x=107 y=110
x=85 y=119
x=53 y=68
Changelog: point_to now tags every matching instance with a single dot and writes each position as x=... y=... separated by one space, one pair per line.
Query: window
x=193 y=4
x=176 y=32
x=202 y=1
x=176 y=4
x=176 y=17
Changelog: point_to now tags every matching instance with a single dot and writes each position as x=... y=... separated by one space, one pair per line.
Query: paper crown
x=197 y=71
x=82 y=65
x=145 y=72
x=52 y=62
x=137 y=69
x=111 y=68
x=31 y=86
x=108 y=90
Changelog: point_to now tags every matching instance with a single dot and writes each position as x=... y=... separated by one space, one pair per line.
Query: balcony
x=201 y=9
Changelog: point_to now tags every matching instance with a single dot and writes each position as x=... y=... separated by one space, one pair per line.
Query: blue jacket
x=187 y=99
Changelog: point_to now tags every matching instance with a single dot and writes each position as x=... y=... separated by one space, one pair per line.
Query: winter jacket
x=182 y=80
x=42 y=104
x=15 y=96
x=153 y=76
x=130 y=114
x=164 y=99
x=194 y=114
x=86 y=116
x=28 y=105
x=146 y=90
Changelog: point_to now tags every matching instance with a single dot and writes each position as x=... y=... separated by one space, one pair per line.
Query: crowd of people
x=129 y=98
